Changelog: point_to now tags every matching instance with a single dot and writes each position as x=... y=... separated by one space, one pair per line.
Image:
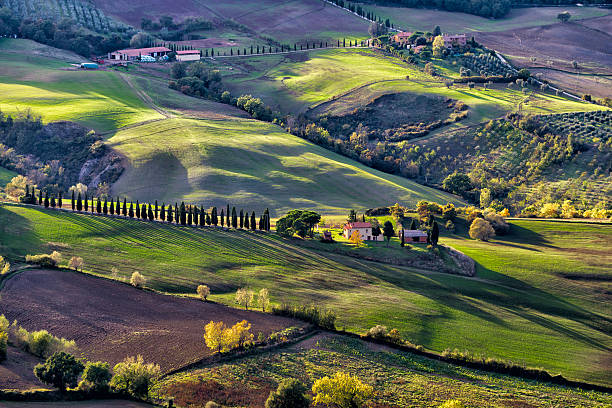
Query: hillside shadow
x=15 y=228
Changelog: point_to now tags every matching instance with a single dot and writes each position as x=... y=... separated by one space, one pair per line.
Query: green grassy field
x=349 y=77
x=525 y=305
x=399 y=379
x=44 y=82
x=411 y=19
x=5 y=176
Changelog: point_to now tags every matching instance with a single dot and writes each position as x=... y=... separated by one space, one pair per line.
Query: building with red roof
x=133 y=54
x=188 y=55
x=402 y=38
x=364 y=229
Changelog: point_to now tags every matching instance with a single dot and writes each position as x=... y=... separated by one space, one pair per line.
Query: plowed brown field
x=109 y=320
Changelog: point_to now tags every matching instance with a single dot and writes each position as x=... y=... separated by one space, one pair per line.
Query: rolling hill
x=536 y=300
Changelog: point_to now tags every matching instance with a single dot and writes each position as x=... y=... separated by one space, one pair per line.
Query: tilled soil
x=110 y=321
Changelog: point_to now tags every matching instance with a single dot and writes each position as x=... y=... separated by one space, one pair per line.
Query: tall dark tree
x=241 y=218
x=183 y=214
x=176 y=213
x=150 y=213
x=156 y=210
x=118 y=206
x=162 y=212
x=388 y=231
x=234 y=218
x=222 y=218
x=253 y=225
x=124 y=207
x=213 y=217
x=202 y=216
x=131 y=210
x=52 y=201
x=72 y=201
x=137 y=209
x=79 y=203
x=403 y=238
x=413 y=224
x=40 y=199
x=196 y=213
x=59 y=200
x=208 y=220
x=99 y=206
x=227 y=216
x=246 y=221
x=267 y=215
x=86 y=202
x=189 y=216
x=435 y=233
x=170 y=212
x=143 y=212
x=105 y=207
x=111 y=207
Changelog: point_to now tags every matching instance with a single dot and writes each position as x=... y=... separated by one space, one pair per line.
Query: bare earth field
x=598 y=86
x=110 y=321
x=559 y=43
x=77 y=404
x=16 y=373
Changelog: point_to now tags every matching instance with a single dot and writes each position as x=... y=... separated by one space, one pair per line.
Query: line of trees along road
x=182 y=214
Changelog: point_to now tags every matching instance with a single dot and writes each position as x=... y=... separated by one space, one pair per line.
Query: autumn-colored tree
x=263 y=299
x=244 y=297
x=355 y=239
x=481 y=229
x=203 y=291
x=76 y=263
x=214 y=336
x=341 y=390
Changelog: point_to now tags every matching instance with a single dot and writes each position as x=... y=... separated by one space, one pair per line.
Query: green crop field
x=5 y=176
x=411 y=19
x=399 y=379
x=537 y=299
x=251 y=164
x=47 y=85
x=350 y=76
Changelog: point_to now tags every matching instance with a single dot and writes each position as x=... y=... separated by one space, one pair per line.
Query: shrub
x=76 y=263
x=61 y=370
x=212 y=404
x=41 y=343
x=499 y=224
x=342 y=390
x=481 y=229
x=452 y=404
x=312 y=314
x=378 y=332
x=96 y=377
x=4 y=326
x=203 y=291
x=137 y=280
x=45 y=260
x=289 y=394
x=134 y=377
x=5 y=266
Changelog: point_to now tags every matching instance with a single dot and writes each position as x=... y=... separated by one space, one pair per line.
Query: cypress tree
x=176 y=213
x=413 y=224
x=52 y=201
x=222 y=218
x=227 y=216
x=71 y=200
x=202 y=217
x=151 y=214
x=112 y=207
x=143 y=212
x=213 y=217
x=261 y=223
x=99 y=206
x=105 y=207
x=234 y=218
x=27 y=192
x=86 y=202
x=170 y=213
x=79 y=203
x=46 y=199
x=124 y=207
x=162 y=212
x=59 y=200
x=267 y=215
x=183 y=214
x=131 y=210
x=196 y=212
x=241 y=218
x=156 y=211
x=189 y=217
x=208 y=222
x=40 y=199
x=246 y=221
x=253 y=225
x=137 y=209
x=403 y=238
x=435 y=233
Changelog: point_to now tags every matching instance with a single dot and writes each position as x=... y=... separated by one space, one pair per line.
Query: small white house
x=364 y=229
x=188 y=55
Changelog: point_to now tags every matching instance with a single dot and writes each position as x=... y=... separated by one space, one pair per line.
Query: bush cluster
x=312 y=314
x=221 y=339
x=51 y=260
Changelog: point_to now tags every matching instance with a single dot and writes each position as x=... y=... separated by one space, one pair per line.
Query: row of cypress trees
x=180 y=214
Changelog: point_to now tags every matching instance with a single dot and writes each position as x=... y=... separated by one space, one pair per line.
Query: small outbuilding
x=413 y=235
x=89 y=65
x=188 y=55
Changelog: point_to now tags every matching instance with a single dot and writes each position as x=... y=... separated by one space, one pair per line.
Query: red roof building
x=188 y=55
x=402 y=38
x=135 y=53
x=363 y=228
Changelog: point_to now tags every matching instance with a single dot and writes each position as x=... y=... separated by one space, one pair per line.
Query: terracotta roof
x=414 y=233
x=186 y=52
x=134 y=52
x=353 y=225
x=404 y=34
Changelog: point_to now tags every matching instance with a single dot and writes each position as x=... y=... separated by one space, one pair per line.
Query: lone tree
x=341 y=390
x=203 y=292
x=289 y=394
x=388 y=231
x=61 y=370
x=481 y=229
x=263 y=299
x=564 y=16
x=76 y=263
x=435 y=233
x=355 y=239
x=244 y=297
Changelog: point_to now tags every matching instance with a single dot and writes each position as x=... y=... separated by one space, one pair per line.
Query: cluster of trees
x=196 y=79
x=361 y=11
x=221 y=339
x=485 y=8
x=169 y=30
x=64 y=33
x=298 y=222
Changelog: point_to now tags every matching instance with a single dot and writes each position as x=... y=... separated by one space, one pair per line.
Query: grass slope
x=522 y=305
x=425 y=20
x=5 y=176
x=43 y=82
x=399 y=379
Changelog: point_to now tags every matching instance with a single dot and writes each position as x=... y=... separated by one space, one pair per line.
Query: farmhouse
x=413 y=235
x=364 y=229
x=134 y=54
x=188 y=55
x=454 y=40
x=402 y=38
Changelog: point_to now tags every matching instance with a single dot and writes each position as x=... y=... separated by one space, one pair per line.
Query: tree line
x=256 y=49
x=182 y=214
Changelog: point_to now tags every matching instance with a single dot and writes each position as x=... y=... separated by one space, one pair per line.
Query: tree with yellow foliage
x=244 y=297
x=5 y=266
x=355 y=239
x=342 y=390
x=215 y=336
x=240 y=334
x=263 y=299
x=203 y=292
x=438 y=46
x=481 y=229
